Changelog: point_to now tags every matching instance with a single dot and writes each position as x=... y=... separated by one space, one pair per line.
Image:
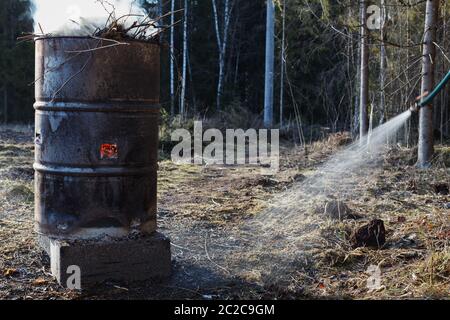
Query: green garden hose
x=429 y=98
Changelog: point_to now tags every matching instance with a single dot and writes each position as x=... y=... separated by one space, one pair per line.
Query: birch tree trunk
x=408 y=72
x=355 y=60
x=270 y=49
x=224 y=50
x=426 y=148
x=282 y=62
x=364 y=72
x=382 y=62
x=171 y=59
x=185 y=48
x=222 y=43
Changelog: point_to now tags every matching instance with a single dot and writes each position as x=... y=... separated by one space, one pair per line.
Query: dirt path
x=209 y=214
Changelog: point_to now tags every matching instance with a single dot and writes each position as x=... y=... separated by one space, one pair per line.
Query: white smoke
x=82 y=17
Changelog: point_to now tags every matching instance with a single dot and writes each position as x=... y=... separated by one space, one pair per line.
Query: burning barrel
x=97 y=108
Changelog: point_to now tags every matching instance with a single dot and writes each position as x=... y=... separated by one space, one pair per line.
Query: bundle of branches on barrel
x=143 y=28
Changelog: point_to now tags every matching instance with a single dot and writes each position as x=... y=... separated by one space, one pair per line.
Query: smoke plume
x=83 y=17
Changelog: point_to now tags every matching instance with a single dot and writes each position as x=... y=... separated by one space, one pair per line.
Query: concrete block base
x=136 y=258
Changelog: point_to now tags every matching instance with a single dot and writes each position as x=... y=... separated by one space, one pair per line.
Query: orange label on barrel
x=109 y=151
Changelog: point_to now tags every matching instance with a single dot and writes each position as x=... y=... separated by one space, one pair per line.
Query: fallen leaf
x=9 y=272
x=39 y=282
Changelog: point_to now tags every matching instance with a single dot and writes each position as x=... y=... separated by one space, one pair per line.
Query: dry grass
x=201 y=207
x=415 y=260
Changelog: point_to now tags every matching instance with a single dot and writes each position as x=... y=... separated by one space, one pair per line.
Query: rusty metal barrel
x=97 y=109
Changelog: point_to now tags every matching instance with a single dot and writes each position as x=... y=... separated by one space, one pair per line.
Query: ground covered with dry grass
x=214 y=217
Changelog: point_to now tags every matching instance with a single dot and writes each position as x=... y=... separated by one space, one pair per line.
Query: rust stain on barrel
x=96 y=134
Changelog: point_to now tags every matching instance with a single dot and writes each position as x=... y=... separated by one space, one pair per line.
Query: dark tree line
x=322 y=78
x=244 y=58
x=316 y=73
x=16 y=61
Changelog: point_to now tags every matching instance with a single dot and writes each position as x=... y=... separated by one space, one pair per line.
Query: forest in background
x=316 y=73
